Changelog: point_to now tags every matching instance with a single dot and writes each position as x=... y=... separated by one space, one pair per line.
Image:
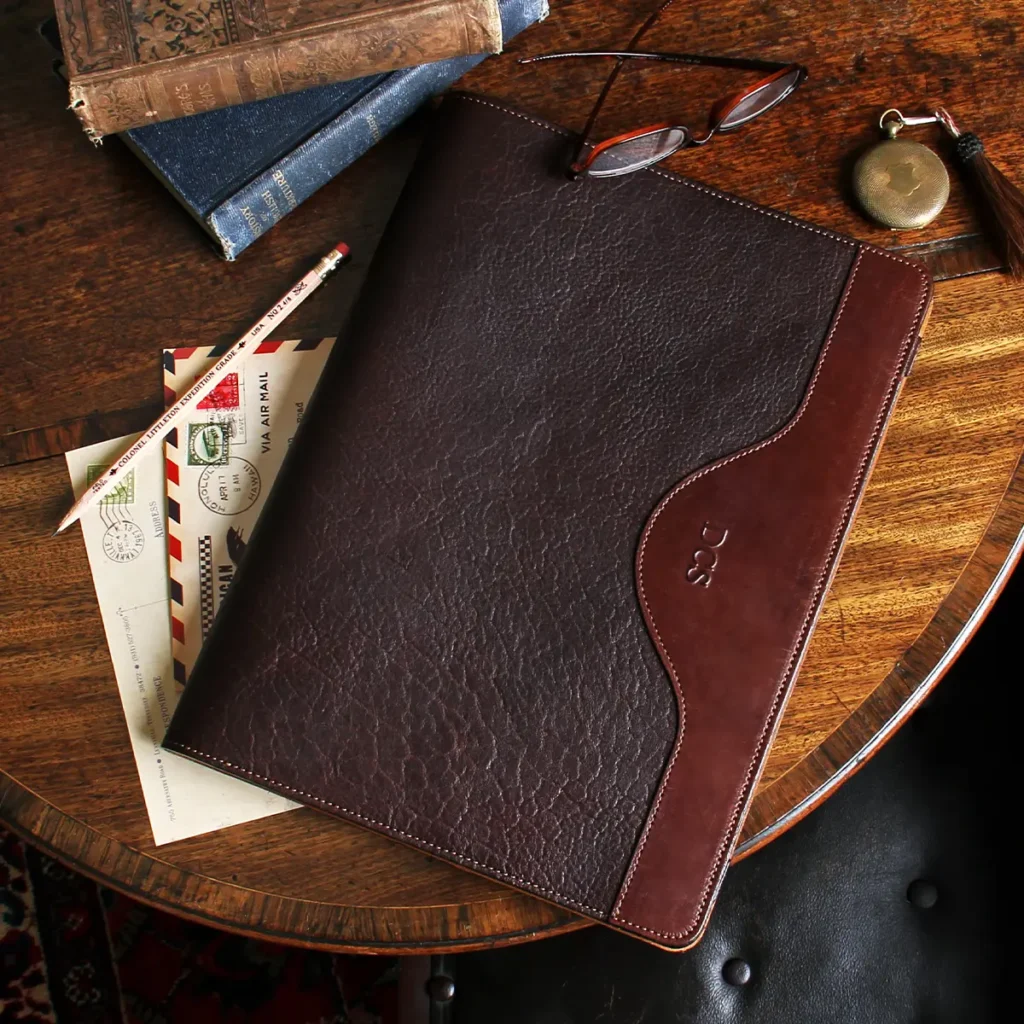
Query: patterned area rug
x=72 y=952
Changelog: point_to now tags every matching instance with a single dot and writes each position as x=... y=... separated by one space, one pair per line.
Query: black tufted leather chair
x=886 y=904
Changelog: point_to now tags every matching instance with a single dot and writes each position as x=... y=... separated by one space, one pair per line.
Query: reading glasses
x=642 y=147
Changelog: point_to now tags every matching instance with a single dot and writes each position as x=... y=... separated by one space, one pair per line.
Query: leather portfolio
x=537 y=578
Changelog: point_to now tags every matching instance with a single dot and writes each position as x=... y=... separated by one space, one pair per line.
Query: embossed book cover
x=136 y=62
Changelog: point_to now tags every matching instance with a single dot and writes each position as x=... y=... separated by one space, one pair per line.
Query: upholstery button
x=923 y=894
x=441 y=989
x=736 y=971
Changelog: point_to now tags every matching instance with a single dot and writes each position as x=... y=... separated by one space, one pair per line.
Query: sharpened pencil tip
x=64 y=524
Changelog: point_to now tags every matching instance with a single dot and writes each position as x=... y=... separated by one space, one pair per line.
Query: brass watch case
x=901 y=184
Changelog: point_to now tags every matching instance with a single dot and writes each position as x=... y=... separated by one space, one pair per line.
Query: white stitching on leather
x=500 y=873
x=515 y=113
x=837 y=537
x=861 y=247
x=714 y=193
x=522 y=882
x=679 y=487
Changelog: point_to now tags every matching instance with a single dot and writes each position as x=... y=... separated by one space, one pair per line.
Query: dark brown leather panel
x=731 y=572
x=436 y=632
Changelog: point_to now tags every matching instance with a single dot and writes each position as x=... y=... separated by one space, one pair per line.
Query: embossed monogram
x=705 y=558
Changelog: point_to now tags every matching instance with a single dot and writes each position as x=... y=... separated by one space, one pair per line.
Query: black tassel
x=1003 y=202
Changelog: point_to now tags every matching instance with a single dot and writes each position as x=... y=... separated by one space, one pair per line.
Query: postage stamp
x=217 y=503
x=130 y=561
x=207 y=444
x=224 y=394
x=122 y=493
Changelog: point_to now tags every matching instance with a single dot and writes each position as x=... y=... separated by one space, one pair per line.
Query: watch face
x=123 y=542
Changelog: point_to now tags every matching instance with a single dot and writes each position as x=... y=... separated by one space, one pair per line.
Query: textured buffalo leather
x=437 y=631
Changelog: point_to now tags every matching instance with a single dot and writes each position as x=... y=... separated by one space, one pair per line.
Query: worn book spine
x=238 y=221
x=383 y=38
x=204 y=160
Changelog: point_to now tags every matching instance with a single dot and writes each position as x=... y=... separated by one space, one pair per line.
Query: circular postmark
x=228 y=490
x=123 y=542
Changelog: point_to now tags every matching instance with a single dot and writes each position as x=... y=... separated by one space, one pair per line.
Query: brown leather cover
x=541 y=568
x=134 y=62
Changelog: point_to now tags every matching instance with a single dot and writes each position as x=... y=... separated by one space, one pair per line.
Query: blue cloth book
x=239 y=170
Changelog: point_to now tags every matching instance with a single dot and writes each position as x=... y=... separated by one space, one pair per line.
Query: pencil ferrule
x=328 y=264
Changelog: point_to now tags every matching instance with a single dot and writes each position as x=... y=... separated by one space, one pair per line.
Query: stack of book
x=244 y=108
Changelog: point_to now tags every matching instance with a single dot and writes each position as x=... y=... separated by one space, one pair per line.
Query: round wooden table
x=100 y=270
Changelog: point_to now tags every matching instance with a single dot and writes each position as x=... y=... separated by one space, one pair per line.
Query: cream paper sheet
x=126 y=539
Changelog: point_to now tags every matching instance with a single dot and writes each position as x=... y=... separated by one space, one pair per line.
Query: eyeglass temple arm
x=592 y=120
x=743 y=63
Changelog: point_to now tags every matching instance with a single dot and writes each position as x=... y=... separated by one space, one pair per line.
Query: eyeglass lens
x=636 y=153
x=760 y=100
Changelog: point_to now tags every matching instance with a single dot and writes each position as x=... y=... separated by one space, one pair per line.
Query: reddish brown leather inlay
x=731 y=572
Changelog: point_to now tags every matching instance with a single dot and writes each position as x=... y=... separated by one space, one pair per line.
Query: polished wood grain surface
x=99 y=269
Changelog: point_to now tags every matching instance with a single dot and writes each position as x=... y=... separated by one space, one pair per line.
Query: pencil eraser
x=343 y=249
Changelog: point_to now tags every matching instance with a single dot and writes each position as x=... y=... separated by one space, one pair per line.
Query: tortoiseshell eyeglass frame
x=788 y=76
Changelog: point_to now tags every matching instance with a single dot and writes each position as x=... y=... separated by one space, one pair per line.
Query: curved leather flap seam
x=645 y=605
x=497 y=872
x=795 y=650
